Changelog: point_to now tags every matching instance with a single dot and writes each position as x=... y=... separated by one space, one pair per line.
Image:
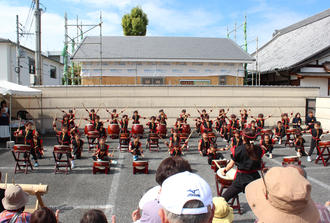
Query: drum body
x=186 y=129
x=88 y=128
x=137 y=129
x=93 y=134
x=21 y=147
x=62 y=148
x=228 y=179
x=324 y=143
x=161 y=129
x=287 y=160
x=124 y=135
x=101 y=166
x=266 y=131
x=113 y=129
x=140 y=166
x=203 y=129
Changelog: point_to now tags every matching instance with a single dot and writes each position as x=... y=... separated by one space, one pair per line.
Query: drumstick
x=217 y=164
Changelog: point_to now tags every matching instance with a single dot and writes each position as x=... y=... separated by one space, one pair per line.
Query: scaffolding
x=81 y=29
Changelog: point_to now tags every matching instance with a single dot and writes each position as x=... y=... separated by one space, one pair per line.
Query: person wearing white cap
x=186 y=197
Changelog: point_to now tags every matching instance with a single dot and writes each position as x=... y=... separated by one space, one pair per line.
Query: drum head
x=230 y=175
x=290 y=157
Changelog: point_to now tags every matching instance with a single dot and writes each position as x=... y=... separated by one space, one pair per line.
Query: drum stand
x=124 y=143
x=59 y=162
x=324 y=154
x=153 y=143
x=234 y=202
x=24 y=162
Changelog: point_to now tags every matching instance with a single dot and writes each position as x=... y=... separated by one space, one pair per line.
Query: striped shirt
x=5 y=217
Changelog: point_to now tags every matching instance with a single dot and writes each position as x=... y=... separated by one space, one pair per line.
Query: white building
x=51 y=70
x=298 y=55
x=130 y=60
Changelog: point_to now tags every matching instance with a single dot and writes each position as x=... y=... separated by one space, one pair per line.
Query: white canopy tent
x=12 y=89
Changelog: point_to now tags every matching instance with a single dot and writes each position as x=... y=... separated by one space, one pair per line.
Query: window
x=195 y=82
x=32 y=68
x=222 y=80
x=52 y=72
x=152 y=80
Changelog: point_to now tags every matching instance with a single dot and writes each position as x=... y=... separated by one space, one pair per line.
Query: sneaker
x=24 y=163
x=299 y=154
x=72 y=164
x=309 y=159
x=317 y=157
x=36 y=164
x=270 y=156
x=280 y=141
x=135 y=158
x=99 y=160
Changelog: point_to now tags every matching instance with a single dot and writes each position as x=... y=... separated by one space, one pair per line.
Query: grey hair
x=191 y=218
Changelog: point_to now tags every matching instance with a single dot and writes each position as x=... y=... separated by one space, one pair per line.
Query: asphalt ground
x=119 y=192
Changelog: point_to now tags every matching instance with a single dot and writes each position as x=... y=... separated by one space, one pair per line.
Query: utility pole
x=38 y=62
x=65 y=51
x=18 y=53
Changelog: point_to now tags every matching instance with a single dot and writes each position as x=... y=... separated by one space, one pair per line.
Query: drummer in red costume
x=279 y=132
x=207 y=124
x=91 y=113
x=232 y=126
x=247 y=158
x=71 y=116
x=203 y=114
x=124 y=124
x=64 y=138
x=204 y=144
x=114 y=116
x=174 y=146
x=244 y=116
x=136 y=117
x=27 y=132
x=135 y=147
x=212 y=154
x=261 y=121
x=286 y=120
x=178 y=126
x=198 y=124
x=184 y=116
x=267 y=144
x=152 y=125
x=102 y=152
x=77 y=146
x=316 y=132
x=162 y=117
x=221 y=120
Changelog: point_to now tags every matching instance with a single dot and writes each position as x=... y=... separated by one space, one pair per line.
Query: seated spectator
x=223 y=213
x=186 y=197
x=95 y=216
x=14 y=203
x=2 y=195
x=167 y=168
x=283 y=195
x=43 y=215
x=149 y=213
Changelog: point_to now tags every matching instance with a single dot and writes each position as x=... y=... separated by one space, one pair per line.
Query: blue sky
x=208 y=18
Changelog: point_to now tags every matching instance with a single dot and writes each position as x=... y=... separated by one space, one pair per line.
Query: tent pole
x=10 y=112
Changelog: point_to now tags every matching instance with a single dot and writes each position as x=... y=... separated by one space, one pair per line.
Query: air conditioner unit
x=32 y=79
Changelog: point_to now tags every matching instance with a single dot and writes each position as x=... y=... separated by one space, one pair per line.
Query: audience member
x=167 y=168
x=185 y=198
x=95 y=216
x=43 y=215
x=283 y=195
x=14 y=203
x=2 y=195
x=223 y=213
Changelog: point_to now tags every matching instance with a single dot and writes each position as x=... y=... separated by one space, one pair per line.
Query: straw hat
x=222 y=213
x=15 y=198
x=284 y=196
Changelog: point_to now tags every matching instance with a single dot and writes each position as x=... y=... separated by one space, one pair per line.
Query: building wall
x=171 y=71
x=323 y=111
x=8 y=64
x=322 y=83
x=149 y=99
x=213 y=80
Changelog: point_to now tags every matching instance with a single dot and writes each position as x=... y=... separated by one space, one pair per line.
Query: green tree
x=135 y=23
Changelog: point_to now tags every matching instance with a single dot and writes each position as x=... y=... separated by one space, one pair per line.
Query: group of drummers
x=229 y=128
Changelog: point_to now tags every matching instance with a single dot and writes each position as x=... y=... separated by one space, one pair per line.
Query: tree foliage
x=135 y=23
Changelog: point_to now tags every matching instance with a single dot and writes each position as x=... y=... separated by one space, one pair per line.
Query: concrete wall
x=149 y=99
x=322 y=83
x=323 y=112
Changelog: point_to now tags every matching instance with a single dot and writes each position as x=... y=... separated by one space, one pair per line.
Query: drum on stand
x=113 y=130
x=186 y=129
x=287 y=160
x=88 y=128
x=228 y=179
x=162 y=130
x=101 y=166
x=137 y=130
x=140 y=166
